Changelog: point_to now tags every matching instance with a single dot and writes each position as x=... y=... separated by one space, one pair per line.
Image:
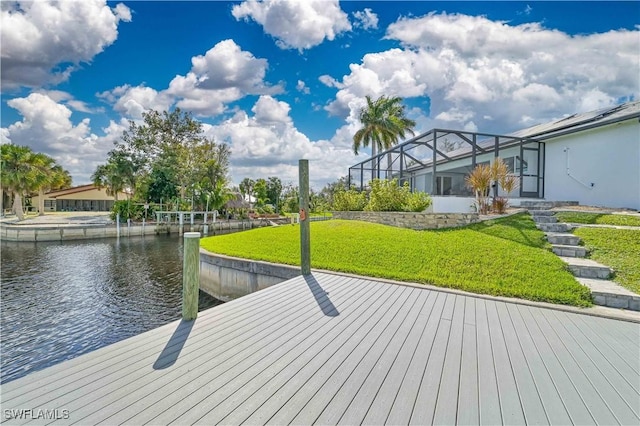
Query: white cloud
x=527 y=11
x=47 y=127
x=268 y=144
x=225 y=73
x=133 y=101
x=296 y=24
x=329 y=81
x=365 y=19
x=66 y=98
x=40 y=36
x=302 y=87
x=493 y=76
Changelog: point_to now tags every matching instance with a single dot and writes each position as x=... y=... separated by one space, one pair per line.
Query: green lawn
x=598 y=218
x=618 y=248
x=505 y=257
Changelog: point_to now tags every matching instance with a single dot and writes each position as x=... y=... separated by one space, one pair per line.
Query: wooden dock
x=331 y=349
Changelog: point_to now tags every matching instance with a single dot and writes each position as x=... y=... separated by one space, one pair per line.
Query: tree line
x=167 y=159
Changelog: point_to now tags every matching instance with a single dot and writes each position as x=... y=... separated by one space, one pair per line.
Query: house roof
x=584 y=121
x=237 y=202
x=72 y=190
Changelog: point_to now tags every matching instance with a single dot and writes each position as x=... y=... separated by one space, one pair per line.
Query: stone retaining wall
x=227 y=278
x=417 y=221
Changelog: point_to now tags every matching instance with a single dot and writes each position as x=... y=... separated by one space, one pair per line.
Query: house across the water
x=79 y=198
x=592 y=158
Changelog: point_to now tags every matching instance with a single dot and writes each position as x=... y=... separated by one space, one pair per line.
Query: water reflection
x=60 y=300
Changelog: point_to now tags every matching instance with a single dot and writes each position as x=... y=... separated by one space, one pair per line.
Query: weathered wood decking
x=332 y=349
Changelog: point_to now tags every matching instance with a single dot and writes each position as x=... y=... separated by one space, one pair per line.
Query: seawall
x=63 y=232
x=227 y=278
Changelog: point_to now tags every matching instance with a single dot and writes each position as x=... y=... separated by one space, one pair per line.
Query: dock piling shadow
x=174 y=346
x=321 y=296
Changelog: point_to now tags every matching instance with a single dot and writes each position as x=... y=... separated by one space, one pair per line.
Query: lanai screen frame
x=481 y=143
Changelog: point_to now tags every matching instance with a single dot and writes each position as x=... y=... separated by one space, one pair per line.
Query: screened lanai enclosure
x=438 y=161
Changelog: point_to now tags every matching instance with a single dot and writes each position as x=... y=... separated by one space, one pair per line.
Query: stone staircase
x=588 y=272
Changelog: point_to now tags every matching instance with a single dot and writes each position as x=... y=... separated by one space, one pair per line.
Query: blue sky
x=283 y=80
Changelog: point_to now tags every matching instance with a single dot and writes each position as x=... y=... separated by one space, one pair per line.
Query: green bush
x=266 y=209
x=417 y=201
x=350 y=200
x=388 y=196
x=131 y=210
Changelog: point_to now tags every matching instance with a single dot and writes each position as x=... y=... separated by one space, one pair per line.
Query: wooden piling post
x=190 y=275
x=305 y=252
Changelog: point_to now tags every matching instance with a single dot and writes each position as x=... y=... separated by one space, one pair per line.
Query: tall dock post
x=190 y=275
x=305 y=252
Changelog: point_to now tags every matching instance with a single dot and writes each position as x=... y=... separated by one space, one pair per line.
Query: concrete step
x=554 y=227
x=587 y=268
x=564 y=239
x=569 y=250
x=608 y=293
x=546 y=205
x=542 y=212
x=545 y=219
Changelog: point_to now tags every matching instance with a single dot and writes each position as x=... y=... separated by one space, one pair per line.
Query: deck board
x=551 y=401
x=405 y=400
x=490 y=413
x=599 y=410
x=332 y=349
x=618 y=379
x=468 y=399
x=600 y=382
x=271 y=398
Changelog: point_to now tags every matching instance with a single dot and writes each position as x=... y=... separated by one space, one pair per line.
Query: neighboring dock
x=331 y=349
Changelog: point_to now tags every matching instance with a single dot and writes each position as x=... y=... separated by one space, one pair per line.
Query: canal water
x=63 y=299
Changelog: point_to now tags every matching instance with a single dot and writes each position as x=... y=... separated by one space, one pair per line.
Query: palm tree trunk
x=40 y=201
x=17 y=206
x=374 y=161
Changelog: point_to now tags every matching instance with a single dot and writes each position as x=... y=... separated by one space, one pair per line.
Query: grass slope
x=618 y=248
x=598 y=218
x=505 y=257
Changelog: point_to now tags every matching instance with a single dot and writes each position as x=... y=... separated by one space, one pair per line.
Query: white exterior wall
x=451 y=204
x=607 y=157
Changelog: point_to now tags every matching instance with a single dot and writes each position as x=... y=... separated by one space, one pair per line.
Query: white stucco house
x=592 y=158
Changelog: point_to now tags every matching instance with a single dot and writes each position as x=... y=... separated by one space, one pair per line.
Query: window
x=443 y=185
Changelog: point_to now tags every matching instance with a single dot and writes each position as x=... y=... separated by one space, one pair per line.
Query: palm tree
x=117 y=174
x=21 y=173
x=106 y=175
x=383 y=124
x=53 y=178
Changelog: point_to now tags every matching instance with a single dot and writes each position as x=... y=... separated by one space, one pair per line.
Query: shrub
x=130 y=210
x=266 y=209
x=417 y=202
x=387 y=196
x=350 y=200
